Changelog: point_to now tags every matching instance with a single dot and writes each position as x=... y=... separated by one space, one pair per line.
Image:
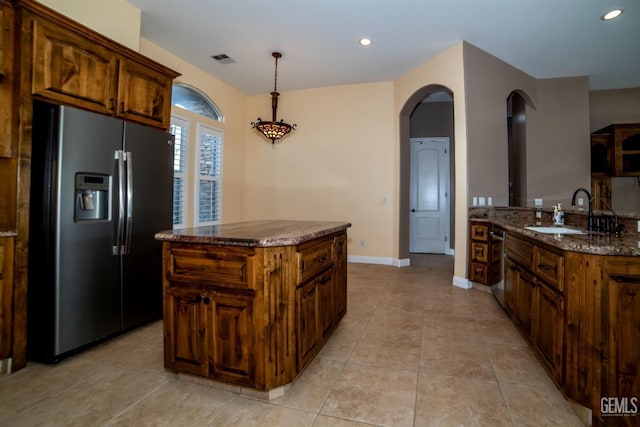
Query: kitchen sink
x=555 y=230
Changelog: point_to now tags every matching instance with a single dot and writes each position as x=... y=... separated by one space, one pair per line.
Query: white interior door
x=429 y=201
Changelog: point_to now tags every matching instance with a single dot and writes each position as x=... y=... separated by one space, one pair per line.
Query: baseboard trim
x=461 y=282
x=357 y=259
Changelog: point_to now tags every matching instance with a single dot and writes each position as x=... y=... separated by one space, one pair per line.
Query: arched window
x=191 y=99
x=197 y=174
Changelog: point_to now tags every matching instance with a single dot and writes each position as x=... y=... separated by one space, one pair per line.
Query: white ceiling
x=319 y=38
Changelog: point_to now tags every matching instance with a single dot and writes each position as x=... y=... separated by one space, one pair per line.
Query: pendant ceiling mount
x=273 y=129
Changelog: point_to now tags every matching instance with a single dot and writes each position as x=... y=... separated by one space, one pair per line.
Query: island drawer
x=229 y=267
x=519 y=250
x=315 y=258
x=550 y=267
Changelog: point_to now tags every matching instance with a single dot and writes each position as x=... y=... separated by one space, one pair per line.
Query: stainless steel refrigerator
x=100 y=189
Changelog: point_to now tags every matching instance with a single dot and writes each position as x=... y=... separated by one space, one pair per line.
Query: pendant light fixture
x=274 y=129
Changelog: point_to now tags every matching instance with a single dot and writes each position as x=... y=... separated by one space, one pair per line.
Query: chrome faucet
x=590 y=214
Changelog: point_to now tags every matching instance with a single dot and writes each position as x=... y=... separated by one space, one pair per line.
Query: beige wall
x=488 y=83
x=116 y=19
x=558 y=145
x=613 y=106
x=446 y=70
x=337 y=165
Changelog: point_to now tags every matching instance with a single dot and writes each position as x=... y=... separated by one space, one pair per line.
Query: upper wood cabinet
x=71 y=66
x=67 y=70
x=615 y=150
x=144 y=95
x=6 y=80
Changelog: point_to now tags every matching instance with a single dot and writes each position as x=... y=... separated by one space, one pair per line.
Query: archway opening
x=428 y=113
x=517 y=149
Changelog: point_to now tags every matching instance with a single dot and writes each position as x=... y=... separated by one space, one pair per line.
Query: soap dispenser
x=554 y=218
x=560 y=215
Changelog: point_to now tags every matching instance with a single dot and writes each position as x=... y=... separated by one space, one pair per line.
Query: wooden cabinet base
x=251 y=316
x=581 y=315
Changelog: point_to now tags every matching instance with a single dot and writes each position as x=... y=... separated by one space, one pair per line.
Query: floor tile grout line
x=114 y=418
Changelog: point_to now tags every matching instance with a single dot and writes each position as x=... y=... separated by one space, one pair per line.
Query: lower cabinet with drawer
x=534 y=285
x=484 y=254
x=251 y=316
x=580 y=314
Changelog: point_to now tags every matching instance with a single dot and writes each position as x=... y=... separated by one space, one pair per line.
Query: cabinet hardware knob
x=323 y=258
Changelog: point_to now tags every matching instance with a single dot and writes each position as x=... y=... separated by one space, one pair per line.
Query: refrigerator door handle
x=120 y=156
x=129 y=226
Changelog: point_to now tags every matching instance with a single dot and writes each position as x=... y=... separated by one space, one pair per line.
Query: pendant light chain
x=274 y=129
x=275 y=80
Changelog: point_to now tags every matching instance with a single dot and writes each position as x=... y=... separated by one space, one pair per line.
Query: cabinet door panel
x=306 y=322
x=6 y=296
x=144 y=95
x=325 y=304
x=509 y=284
x=340 y=278
x=6 y=81
x=524 y=307
x=69 y=70
x=624 y=337
x=232 y=340
x=185 y=340
x=550 y=330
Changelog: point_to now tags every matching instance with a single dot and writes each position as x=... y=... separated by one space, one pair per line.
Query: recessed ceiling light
x=365 y=42
x=613 y=14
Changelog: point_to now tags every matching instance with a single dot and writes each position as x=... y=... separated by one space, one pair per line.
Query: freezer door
x=88 y=277
x=150 y=162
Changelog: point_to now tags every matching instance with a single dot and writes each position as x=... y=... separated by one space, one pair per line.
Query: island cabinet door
x=306 y=322
x=326 y=304
x=231 y=338
x=340 y=278
x=185 y=331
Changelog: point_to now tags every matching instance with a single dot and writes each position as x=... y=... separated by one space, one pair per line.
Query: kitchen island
x=574 y=299
x=251 y=303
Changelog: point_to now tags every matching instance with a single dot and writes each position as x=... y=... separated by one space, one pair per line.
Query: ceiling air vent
x=223 y=58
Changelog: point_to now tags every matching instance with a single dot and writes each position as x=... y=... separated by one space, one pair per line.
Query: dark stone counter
x=264 y=233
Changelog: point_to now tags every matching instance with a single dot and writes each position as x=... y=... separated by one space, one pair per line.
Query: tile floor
x=412 y=350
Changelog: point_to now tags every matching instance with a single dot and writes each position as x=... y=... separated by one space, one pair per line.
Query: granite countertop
x=627 y=244
x=8 y=233
x=265 y=233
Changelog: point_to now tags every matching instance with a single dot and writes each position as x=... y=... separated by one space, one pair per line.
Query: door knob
x=413 y=210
